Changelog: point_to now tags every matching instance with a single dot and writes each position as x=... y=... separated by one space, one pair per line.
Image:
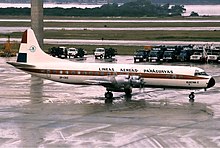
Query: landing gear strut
x=191 y=97
x=109 y=97
x=128 y=91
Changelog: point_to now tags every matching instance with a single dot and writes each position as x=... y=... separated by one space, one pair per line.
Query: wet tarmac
x=52 y=114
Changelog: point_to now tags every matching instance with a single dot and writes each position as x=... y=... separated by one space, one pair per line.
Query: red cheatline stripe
x=100 y=73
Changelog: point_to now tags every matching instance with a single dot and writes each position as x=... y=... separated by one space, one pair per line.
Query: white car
x=72 y=52
x=213 y=56
x=199 y=57
x=99 y=52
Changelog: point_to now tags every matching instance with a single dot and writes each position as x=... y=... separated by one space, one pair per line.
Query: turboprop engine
x=136 y=81
x=127 y=81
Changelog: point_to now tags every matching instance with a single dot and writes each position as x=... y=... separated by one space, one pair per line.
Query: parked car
x=99 y=53
x=169 y=55
x=198 y=56
x=213 y=56
x=71 y=52
x=141 y=55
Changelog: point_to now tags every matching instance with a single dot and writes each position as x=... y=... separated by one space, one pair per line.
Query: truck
x=141 y=55
x=76 y=52
x=104 y=53
x=156 y=53
x=171 y=53
x=60 y=52
x=185 y=53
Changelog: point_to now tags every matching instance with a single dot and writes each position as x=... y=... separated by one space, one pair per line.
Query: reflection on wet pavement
x=49 y=114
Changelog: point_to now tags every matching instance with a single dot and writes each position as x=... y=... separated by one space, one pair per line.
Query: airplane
x=114 y=77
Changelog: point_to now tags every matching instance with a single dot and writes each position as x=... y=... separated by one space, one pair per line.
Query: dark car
x=169 y=55
x=155 y=55
x=172 y=53
x=141 y=55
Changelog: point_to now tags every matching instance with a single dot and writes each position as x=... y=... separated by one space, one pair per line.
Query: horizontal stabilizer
x=20 y=65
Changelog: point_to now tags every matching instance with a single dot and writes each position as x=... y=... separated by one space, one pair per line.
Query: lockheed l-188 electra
x=114 y=77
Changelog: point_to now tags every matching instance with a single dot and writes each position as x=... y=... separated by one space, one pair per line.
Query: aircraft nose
x=211 y=83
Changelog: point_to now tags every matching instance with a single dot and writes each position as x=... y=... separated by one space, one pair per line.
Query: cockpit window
x=201 y=73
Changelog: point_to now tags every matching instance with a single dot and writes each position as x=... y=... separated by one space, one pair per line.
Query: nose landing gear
x=191 y=97
x=109 y=97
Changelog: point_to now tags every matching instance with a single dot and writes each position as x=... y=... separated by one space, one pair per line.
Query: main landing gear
x=109 y=97
x=191 y=97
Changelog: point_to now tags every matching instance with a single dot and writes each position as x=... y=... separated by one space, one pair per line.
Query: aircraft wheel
x=191 y=100
x=108 y=101
x=108 y=95
x=191 y=97
x=128 y=91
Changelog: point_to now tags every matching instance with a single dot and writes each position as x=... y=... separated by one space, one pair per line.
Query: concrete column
x=37 y=20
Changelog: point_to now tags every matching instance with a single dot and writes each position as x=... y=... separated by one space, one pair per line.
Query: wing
x=104 y=82
x=119 y=82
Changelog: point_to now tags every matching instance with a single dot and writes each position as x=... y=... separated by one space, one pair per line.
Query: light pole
x=37 y=20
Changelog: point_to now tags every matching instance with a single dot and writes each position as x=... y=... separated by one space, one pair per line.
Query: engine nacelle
x=122 y=80
x=129 y=81
x=124 y=83
x=136 y=81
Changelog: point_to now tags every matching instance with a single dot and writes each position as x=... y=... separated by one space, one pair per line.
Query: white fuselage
x=155 y=76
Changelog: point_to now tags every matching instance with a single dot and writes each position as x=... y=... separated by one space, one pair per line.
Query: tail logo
x=32 y=48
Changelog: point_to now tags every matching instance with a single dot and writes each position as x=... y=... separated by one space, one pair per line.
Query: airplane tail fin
x=30 y=51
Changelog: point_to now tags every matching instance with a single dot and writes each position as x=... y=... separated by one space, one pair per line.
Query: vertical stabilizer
x=30 y=51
